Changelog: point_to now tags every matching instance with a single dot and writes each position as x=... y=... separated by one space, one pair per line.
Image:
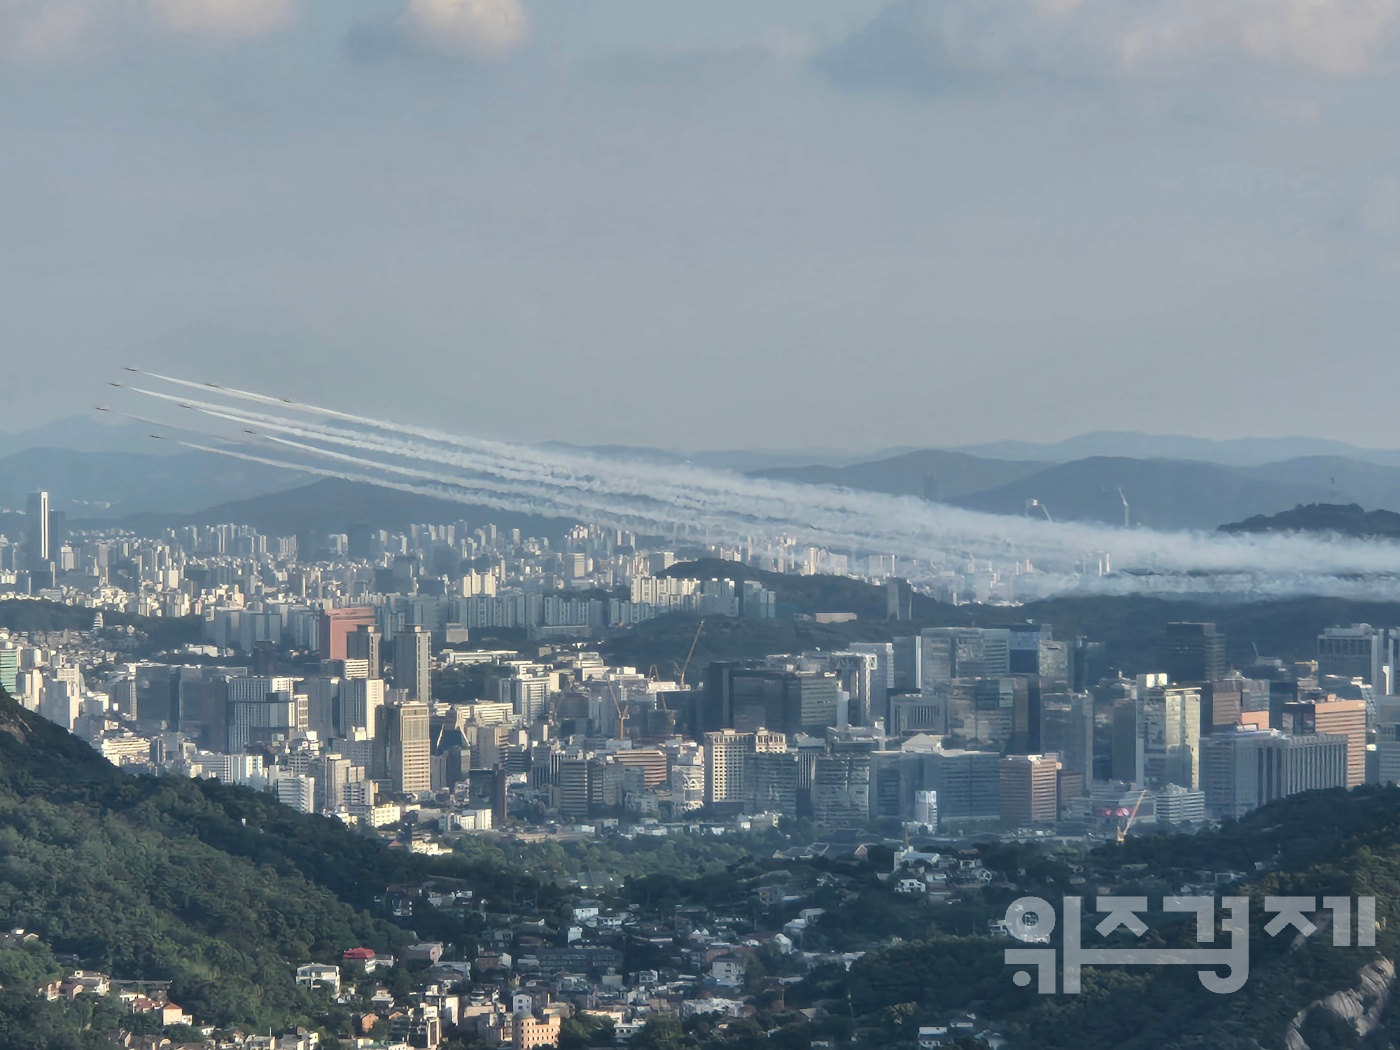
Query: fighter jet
x=128 y=368
x=113 y=384
x=102 y=408
x=158 y=437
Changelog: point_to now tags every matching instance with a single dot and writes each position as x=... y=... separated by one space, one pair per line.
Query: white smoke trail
x=727 y=507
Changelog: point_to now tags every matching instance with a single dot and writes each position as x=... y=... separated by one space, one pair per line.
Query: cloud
x=483 y=28
x=941 y=44
x=227 y=18
x=1332 y=37
x=937 y=44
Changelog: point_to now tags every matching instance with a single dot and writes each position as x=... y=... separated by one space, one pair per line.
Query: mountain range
x=1158 y=493
x=99 y=472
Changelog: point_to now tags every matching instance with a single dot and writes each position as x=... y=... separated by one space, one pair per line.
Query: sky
x=761 y=223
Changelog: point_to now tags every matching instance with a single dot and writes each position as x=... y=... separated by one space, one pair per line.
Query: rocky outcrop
x=1361 y=1007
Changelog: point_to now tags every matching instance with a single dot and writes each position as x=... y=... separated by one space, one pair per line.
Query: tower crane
x=1127 y=826
x=683 y=668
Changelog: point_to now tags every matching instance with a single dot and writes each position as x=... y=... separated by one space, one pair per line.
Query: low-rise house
x=428 y=952
x=318 y=975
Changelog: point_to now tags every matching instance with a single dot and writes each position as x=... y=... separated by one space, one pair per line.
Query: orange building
x=336 y=627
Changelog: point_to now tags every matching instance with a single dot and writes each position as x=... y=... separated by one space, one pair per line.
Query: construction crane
x=653 y=677
x=683 y=668
x=621 y=710
x=1122 y=500
x=1127 y=826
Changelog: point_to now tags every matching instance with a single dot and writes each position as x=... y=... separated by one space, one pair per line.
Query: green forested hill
x=221 y=890
x=1313 y=845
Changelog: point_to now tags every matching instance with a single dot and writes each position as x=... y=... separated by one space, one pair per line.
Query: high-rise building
x=1157 y=737
x=1067 y=730
x=413 y=663
x=1176 y=805
x=907 y=673
x=857 y=675
x=965 y=652
x=745 y=697
x=1360 y=651
x=770 y=782
x=360 y=701
x=1222 y=702
x=1333 y=717
x=1387 y=740
x=363 y=644
x=1034 y=651
x=724 y=762
x=1242 y=771
x=968 y=782
x=9 y=670
x=338 y=624
x=899 y=600
x=1029 y=789
x=404 y=746
x=572 y=786
x=526 y=689
x=38 y=537
x=926 y=809
x=1193 y=652
x=298 y=792
x=263 y=720
x=841 y=788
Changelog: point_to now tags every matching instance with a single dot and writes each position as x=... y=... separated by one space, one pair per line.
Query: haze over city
x=725 y=525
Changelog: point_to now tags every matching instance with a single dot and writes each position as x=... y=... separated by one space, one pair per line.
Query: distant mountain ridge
x=1338 y=519
x=333 y=505
x=1235 y=452
x=1159 y=493
x=116 y=483
x=170 y=484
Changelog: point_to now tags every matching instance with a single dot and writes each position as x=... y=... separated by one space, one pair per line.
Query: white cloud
x=229 y=18
x=486 y=28
x=1332 y=37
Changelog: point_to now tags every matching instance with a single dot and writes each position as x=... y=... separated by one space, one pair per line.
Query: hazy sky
x=716 y=223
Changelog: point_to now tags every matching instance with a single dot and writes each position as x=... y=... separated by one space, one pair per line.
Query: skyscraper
x=1029 y=789
x=1360 y=651
x=363 y=644
x=1193 y=652
x=724 y=762
x=404 y=746
x=37 y=535
x=1243 y=770
x=360 y=701
x=413 y=663
x=1333 y=717
x=337 y=625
